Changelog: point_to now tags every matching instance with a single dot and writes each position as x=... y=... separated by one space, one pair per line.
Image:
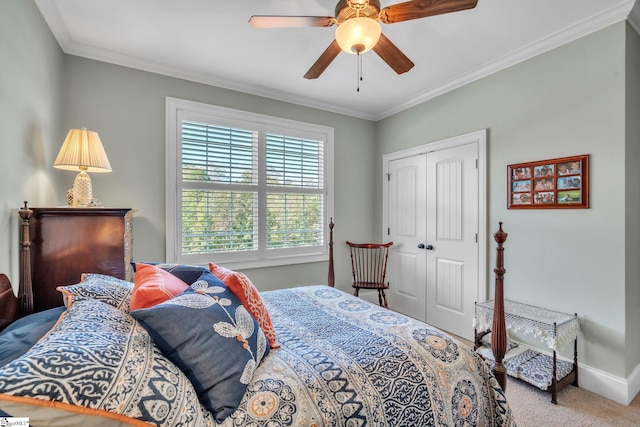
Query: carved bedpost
x=25 y=290
x=499 y=329
x=331 y=279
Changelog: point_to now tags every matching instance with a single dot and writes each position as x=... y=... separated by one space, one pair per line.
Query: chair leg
x=356 y=291
x=382 y=296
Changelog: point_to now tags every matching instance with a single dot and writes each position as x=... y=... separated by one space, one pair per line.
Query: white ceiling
x=210 y=41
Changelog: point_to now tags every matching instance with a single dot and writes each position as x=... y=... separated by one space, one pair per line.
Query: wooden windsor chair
x=369 y=267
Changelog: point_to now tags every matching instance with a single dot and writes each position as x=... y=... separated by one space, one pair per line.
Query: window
x=244 y=189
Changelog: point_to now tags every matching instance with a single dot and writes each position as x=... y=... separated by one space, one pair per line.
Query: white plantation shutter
x=216 y=218
x=295 y=190
x=229 y=155
x=254 y=190
x=295 y=162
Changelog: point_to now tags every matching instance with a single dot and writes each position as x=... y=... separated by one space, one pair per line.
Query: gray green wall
x=632 y=199
x=30 y=85
x=127 y=108
x=568 y=101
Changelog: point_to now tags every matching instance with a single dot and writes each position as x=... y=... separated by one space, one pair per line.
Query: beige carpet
x=576 y=407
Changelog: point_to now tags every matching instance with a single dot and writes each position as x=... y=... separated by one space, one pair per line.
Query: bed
x=305 y=356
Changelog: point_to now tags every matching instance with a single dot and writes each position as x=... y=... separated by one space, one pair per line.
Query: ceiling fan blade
x=393 y=56
x=273 y=21
x=422 y=8
x=323 y=62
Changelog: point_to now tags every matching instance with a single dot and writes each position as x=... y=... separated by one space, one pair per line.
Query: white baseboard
x=634 y=383
x=621 y=390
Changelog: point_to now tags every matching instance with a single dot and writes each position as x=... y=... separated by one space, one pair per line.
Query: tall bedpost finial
x=25 y=289
x=331 y=279
x=499 y=328
x=500 y=235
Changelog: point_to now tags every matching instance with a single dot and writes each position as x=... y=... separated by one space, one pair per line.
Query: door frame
x=479 y=138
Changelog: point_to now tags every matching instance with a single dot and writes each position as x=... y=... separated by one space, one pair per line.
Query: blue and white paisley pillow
x=108 y=289
x=99 y=360
x=214 y=340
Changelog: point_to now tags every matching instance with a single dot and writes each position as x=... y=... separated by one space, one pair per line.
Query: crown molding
x=634 y=17
x=55 y=22
x=628 y=10
x=595 y=23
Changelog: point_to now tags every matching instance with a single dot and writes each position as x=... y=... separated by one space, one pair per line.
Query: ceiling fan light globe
x=358 y=35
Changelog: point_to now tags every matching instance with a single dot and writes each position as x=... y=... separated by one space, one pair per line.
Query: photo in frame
x=561 y=183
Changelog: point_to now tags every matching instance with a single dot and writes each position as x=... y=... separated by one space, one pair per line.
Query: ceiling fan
x=359 y=28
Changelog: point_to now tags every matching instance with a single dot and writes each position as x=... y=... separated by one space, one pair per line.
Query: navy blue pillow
x=185 y=272
x=22 y=334
x=212 y=338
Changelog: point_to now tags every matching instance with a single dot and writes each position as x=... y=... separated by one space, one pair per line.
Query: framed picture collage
x=549 y=184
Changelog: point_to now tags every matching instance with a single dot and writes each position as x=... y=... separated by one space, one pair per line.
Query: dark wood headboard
x=9 y=307
x=31 y=294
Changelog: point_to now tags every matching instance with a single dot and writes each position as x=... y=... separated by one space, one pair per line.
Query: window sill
x=257 y=263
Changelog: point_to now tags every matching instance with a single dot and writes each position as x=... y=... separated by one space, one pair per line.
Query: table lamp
x=82 y=151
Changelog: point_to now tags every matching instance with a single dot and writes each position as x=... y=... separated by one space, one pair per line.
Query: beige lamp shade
x=358 y=35
x=82 y=150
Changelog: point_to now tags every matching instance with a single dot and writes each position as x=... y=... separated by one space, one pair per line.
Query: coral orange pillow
x=153 y=285
x=249 y=296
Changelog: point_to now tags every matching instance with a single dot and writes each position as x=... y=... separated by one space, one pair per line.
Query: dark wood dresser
x=66 y=242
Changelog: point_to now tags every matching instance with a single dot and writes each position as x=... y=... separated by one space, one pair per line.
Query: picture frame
x=561 y=183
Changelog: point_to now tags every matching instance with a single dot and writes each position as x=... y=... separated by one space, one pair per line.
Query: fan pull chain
x=359 y=67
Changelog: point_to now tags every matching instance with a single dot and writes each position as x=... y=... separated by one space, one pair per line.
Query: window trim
x=174 y=107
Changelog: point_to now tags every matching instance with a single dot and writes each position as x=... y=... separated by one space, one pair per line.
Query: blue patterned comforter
x=342 y=362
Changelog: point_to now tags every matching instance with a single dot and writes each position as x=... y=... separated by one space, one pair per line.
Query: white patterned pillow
x=99 y=360
x=108 y=289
